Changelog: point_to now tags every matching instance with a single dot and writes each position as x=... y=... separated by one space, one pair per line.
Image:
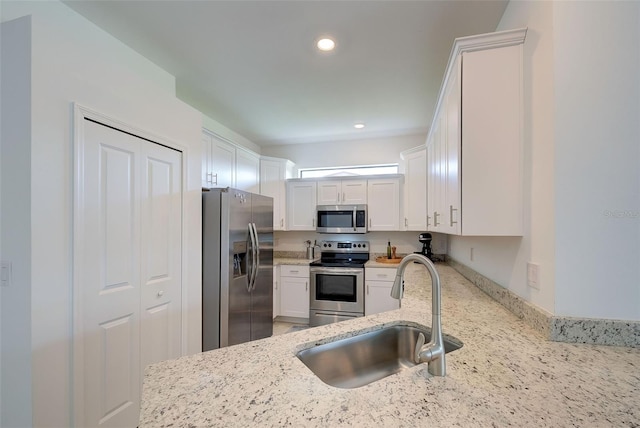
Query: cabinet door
x=415 y=190
x=301 y=206
x=329 y=192
x=223 y=164
x=207 y=159
x=451 y=155
x=272 y=183
x=294 y=297
x=378 y=298
x=247 y=171
x=384 y=204
x=354 y=192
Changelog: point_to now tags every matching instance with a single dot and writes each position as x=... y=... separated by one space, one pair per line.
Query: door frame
x=80 y=113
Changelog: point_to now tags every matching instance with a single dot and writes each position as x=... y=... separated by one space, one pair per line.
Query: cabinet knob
x=160 y=293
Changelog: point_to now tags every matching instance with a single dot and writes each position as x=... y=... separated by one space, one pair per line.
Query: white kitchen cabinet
x=274 y=173
x=294 y=291
x=225 y=164
x=414 y=163
x=383 y=195
x=378 y=284
x=221 y=171
x=475 y=165
x=247 y=171
x=341 y=192
x=301 y=205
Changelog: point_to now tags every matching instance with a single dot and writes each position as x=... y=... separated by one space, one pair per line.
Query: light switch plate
x=533 y=275
x=5 y=274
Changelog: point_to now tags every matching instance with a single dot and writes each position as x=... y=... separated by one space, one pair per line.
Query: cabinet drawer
x=380 y=274
x=296 y=271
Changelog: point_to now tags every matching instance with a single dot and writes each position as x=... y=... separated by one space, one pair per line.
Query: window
x=348 y=171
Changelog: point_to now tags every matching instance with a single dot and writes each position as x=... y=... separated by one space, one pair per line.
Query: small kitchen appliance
x=425 y=239
x=341 y=219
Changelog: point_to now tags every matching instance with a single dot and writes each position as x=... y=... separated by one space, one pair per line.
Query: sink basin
x=359 y=360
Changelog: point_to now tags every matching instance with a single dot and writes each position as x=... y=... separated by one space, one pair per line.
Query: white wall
x=582 y=137
x=597 y=105
x=15 y=231
x=346 y=153
x=215 y=126
x=405 y=242
x=74 y=61
x=504 y=259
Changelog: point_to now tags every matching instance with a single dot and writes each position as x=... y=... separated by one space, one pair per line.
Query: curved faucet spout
x=432 y=352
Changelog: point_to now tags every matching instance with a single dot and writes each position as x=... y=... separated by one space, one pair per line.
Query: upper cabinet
x=273 y=175
x=474 y=146
x=247 y=171
x=340 y=192
x=301 y=205
x=218 y=161
x=384 y=203
x=414 y=165
x=226 y=165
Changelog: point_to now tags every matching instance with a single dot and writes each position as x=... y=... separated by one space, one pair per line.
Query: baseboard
x=554 y=328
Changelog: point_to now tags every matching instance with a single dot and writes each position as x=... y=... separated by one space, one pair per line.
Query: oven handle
x=336 y=270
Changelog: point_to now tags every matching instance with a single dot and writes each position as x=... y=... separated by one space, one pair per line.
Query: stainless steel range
x=337 y=282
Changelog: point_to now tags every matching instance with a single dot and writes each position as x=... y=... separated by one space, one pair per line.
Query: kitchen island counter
x=506 y=374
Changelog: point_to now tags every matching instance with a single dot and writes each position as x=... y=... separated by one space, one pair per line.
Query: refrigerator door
x=211 y=272
x=235 y=320
x=262 y=291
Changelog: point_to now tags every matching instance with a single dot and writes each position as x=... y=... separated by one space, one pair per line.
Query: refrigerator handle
x=250 y=265
x=256 y=254
x=254 y=262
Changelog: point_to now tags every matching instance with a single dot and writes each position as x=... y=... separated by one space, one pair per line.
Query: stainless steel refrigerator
x=237 y=267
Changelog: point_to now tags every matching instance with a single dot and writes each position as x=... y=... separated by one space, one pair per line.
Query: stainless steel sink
x=359 y=360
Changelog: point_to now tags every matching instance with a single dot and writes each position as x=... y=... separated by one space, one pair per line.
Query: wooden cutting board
x=395 y=260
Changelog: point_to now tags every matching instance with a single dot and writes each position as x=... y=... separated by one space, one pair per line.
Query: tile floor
x=281 y=327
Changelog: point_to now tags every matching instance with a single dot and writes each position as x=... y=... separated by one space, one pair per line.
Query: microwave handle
x=355 y=225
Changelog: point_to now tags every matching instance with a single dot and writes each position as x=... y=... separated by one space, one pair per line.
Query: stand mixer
x=425 y=239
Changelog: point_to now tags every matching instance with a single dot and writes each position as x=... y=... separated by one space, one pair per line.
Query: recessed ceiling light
x=326 y=44
x=359 y=125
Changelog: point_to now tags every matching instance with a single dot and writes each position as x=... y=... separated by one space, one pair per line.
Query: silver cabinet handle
x=435 y=218
x=343 y=197
x=451 y=210
x=306 y=286
x=406 y=222
x=369 y=223
x=367 y=289
x=428 y=218
x=281 y=222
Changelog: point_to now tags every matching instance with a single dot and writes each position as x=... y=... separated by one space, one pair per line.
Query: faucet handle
x=419 y=345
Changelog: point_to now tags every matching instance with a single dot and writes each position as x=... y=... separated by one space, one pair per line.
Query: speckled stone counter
x=506 y=374
x=291 y=261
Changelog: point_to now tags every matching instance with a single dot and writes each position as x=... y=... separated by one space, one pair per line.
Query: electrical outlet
x=533 y=275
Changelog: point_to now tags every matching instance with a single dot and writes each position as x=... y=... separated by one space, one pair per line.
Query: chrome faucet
x=432 y=352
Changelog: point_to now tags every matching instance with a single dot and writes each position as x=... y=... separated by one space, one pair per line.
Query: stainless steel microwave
x=341 y=219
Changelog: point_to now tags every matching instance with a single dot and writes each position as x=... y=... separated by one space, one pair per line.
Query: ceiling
x=253 y=65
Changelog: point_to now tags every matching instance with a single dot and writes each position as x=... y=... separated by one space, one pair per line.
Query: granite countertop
x=291 y=261
x=506 y=374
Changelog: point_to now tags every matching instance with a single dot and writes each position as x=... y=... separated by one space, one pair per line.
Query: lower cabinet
x=378 y=284
x=294 y=291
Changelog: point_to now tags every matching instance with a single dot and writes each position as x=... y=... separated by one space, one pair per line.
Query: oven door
x=337 y=289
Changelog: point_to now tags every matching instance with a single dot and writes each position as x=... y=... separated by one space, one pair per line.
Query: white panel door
x=161 y=184
x=130 y=283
